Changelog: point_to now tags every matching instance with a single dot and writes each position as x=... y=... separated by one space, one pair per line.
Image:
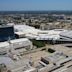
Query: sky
x=19 y=5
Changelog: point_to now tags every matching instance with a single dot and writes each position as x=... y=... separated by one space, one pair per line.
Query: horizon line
x=35 y=10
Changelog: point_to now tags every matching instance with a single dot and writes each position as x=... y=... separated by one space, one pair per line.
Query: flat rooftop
x=14 y=65
x=67 y=34
x=4 y=26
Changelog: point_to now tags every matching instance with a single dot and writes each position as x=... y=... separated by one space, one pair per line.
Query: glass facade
x=6 y=33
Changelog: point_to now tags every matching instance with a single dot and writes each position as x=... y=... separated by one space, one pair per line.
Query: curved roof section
x=25 y=29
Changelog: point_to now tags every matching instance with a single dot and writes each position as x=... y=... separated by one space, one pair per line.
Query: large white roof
x=31 y=32
x=25 y=29
x=66 y=34
x=19 y=33
x=52 y=32
x=48 y=37
x=31 y=36
x=19 y=40
x=4 y=44
x=22 y=27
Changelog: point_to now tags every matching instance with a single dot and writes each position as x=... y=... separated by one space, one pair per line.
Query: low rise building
x=17 y=45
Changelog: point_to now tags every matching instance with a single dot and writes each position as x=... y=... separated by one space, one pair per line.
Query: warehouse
x=20 y=44
x=4 y=47
x=25 y=29
x=17 y=45
x=50 y=36
x=32 y=33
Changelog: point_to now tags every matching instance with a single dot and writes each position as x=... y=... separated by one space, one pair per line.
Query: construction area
x=51 y=58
